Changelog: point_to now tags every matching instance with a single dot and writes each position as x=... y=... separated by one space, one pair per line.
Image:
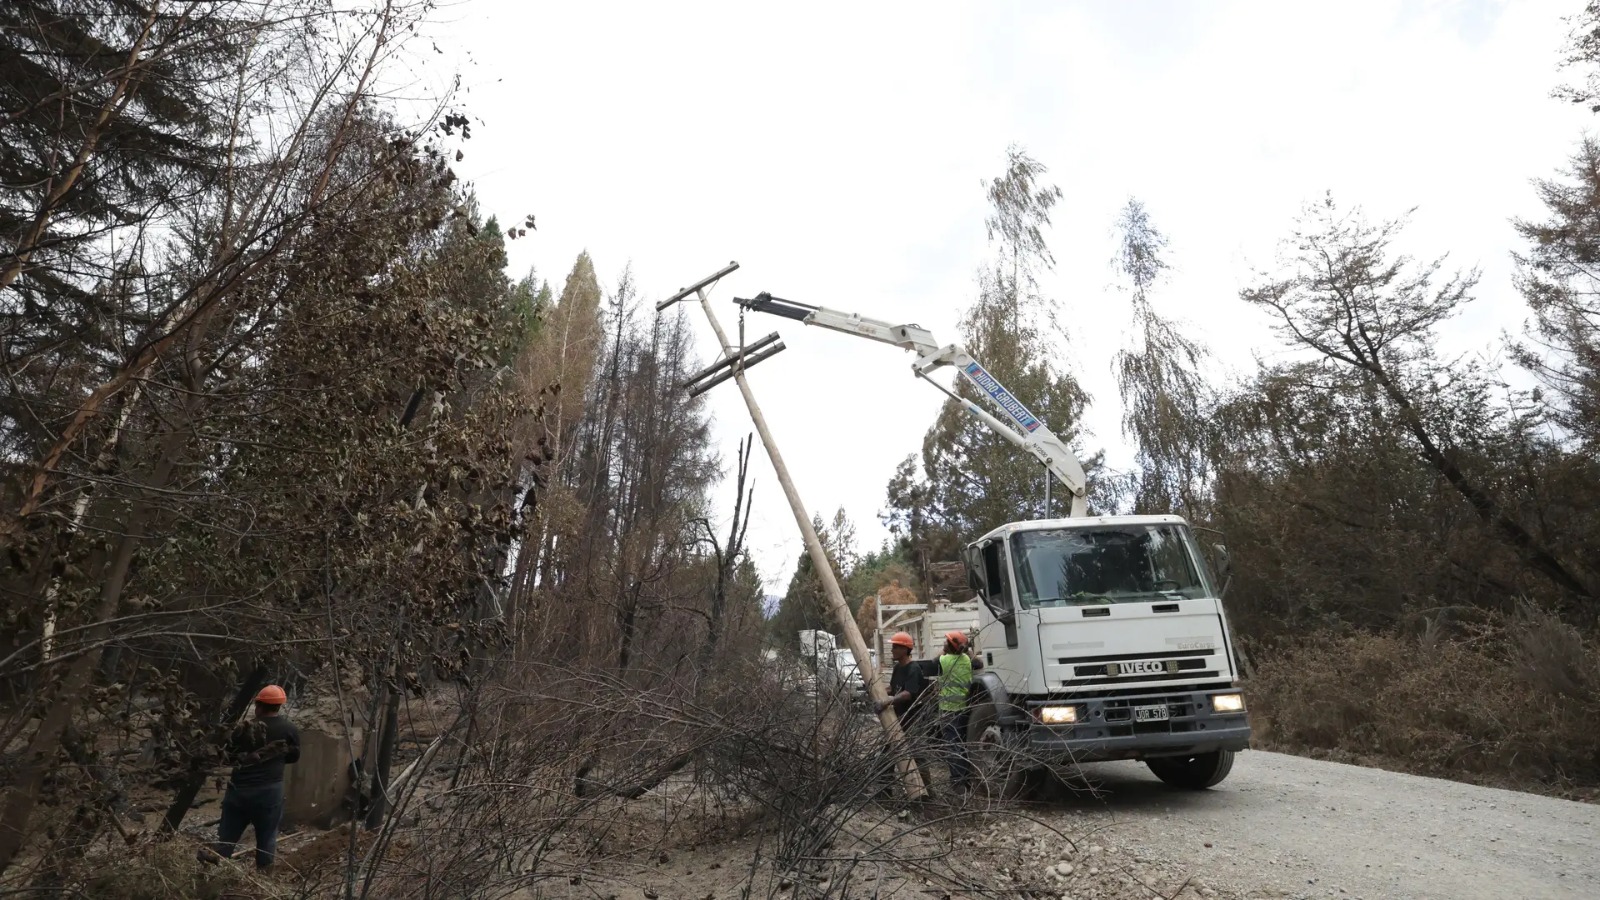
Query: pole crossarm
x=732 y=364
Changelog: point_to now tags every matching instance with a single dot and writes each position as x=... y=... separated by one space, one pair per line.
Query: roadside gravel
x=1285 y=826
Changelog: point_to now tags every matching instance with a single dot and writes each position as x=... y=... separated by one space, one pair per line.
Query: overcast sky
x=836 y=151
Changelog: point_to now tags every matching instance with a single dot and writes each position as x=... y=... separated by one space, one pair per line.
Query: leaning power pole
x=733 y=363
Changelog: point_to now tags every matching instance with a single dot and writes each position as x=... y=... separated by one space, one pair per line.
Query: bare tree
x=726 y=556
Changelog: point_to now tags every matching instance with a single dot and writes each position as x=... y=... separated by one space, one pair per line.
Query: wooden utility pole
x=737 y=360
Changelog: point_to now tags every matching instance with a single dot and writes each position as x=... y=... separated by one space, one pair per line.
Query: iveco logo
x=1142 y=667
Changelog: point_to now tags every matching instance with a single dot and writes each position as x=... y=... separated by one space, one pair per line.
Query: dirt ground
x=1279 y=827
x=936 y=851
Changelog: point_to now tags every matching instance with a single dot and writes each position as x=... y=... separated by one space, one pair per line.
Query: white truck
x=833 y=668
x=817 y=645
x=816 y=657
x=1103 y=637
x=851 y=681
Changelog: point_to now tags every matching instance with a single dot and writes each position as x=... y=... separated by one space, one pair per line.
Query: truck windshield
x=1077 y=566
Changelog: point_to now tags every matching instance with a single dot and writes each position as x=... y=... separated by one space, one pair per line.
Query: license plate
x=1142 y=667
x=1151 y=713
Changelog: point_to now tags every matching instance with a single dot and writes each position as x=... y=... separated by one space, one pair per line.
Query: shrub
x=168 y=871
x=1512 y=702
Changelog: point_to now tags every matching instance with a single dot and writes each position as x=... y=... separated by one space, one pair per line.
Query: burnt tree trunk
x=385 y=762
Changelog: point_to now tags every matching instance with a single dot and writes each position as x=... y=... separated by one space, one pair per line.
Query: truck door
x=997 y=577
x=1000 y=640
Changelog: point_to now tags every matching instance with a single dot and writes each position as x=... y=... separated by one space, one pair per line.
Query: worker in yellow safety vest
x=955 y=678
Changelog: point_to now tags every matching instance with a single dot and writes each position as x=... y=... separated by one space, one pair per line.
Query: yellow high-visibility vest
x=955 y=676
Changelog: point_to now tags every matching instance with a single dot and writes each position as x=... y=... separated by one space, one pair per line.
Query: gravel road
x=1284 y=826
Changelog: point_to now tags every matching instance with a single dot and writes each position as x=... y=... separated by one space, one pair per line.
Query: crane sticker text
x=995 y=389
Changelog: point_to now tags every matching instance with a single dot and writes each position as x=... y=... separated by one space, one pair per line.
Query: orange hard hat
x=272 y=695
x=956 y=639
x=903 y=639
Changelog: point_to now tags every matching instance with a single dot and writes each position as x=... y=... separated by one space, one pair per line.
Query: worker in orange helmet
x=908 y=682
x=954 y=681
x=259 y=749
x=910 y=694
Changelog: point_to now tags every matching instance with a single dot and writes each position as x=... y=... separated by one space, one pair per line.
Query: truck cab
x=1103 y=638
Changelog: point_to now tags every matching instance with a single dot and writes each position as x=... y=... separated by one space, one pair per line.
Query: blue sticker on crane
x=995 y=389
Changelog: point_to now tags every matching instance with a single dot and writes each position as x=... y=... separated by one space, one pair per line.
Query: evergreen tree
x=805 y=603
x=974 y=479
x=1164 y=396
x=1557 y=276
x=109 y=121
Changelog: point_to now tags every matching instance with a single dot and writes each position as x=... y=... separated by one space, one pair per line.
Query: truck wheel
x=995 y=763
x=1195 y=773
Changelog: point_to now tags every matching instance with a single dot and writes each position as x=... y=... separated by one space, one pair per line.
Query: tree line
x=1392 y=511
x=271 y=410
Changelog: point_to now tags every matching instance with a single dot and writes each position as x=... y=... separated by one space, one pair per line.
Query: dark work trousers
x=953 y=737
x=259 y=806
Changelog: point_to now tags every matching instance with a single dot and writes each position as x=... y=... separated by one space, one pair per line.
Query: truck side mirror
x=1224 y=561
x=975 y=572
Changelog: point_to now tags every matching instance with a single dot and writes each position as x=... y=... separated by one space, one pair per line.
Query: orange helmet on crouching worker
x=956 y=639
x=901 y=639
x=272 y=695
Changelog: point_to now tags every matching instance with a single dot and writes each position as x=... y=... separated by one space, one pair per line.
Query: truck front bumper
x=1106 y=728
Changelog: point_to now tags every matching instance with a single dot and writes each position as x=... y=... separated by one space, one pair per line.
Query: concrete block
x=315 y=788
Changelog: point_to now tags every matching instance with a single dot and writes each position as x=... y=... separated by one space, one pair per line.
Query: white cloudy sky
x=836 y=151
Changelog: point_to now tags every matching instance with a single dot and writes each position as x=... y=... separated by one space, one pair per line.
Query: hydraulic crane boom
x=1029 y=433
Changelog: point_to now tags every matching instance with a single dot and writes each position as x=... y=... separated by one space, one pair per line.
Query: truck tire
x=1195 y=773
x=997 y=767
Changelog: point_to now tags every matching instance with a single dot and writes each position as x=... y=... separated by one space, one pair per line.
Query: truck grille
x=1129 y=679
x=1125 y=657
x=1111 y=668
x=1143 y=695
x=1184 y=665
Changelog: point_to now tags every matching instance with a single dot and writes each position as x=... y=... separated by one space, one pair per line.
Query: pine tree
x=108 y=122
x=804 y=604
x=1557 y=276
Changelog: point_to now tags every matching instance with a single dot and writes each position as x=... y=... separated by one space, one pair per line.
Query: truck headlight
x=1058 y=715
x=1227 y=703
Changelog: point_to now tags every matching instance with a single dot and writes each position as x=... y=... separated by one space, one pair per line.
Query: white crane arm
x=1029 y=432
